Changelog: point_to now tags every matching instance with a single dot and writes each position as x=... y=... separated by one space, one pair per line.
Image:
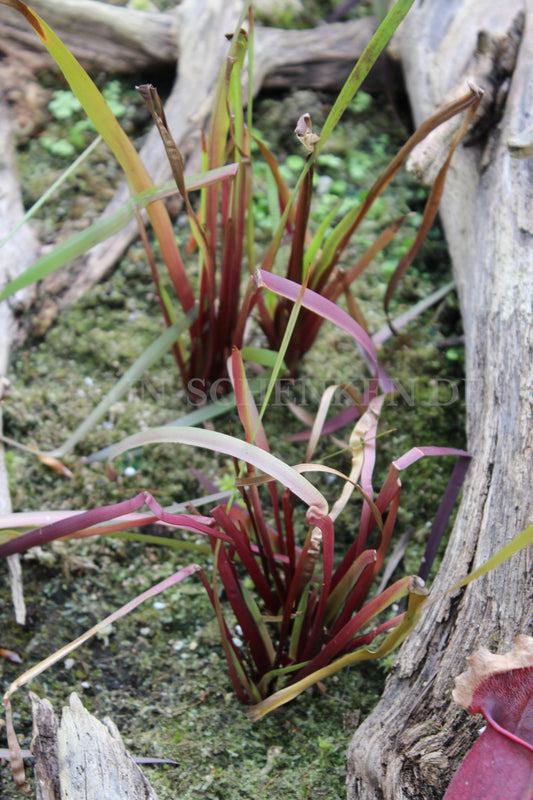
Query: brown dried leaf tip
x=484 y=664
x=304 y=132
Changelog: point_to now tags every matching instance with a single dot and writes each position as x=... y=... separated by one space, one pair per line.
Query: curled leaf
x=500 y=763
x=304 y=132
x=486 y=670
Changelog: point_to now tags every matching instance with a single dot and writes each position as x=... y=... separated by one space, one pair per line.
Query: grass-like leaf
x=105 y=227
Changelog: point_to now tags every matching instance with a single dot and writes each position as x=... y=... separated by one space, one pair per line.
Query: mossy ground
x=160 y=673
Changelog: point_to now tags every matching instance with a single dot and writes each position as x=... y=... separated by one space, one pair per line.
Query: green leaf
x=365 y=63
x=523 y=539
x=103 y=228
x=222 y=443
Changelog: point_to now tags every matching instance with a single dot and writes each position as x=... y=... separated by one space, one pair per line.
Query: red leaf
x=494 y=768
x=500 y=763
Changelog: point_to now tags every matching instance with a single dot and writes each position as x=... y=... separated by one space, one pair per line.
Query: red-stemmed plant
x=304 y=617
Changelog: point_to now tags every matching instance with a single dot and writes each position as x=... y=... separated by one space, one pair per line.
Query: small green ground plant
x=65 y=107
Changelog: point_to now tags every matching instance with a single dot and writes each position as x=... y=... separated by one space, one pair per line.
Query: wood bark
x=411 y=744
x=81 y=758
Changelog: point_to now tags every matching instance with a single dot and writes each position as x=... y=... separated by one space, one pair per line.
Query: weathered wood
x=118 y=39
x=81 y=758
x=44 y=749
x=317 y=58
x=410 y=745
x=102 y=36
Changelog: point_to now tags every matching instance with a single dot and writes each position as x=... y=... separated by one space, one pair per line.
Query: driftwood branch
x=101 y=36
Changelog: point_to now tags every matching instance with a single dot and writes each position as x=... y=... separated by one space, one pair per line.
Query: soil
x=160 y=672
